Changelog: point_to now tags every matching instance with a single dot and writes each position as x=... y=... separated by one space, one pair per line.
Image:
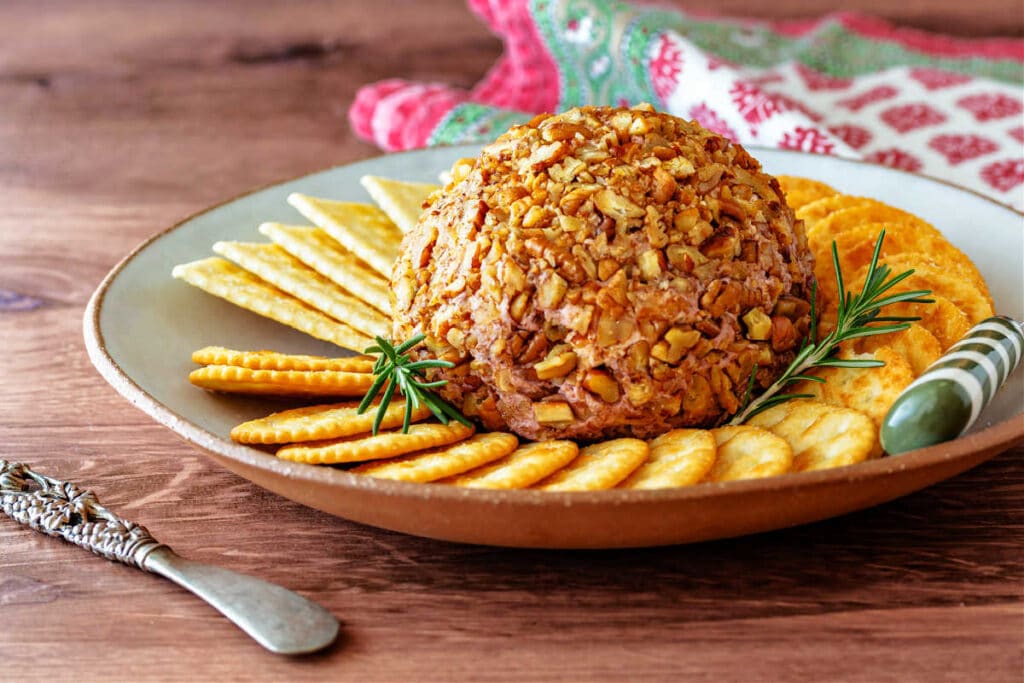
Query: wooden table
x=119 y=118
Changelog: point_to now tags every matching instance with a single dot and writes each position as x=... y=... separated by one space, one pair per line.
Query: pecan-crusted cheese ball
x=605 y=272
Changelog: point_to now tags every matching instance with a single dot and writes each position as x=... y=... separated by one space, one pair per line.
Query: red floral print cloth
x=844 y=84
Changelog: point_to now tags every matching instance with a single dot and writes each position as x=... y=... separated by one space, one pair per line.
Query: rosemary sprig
x=857 y=316
x=394 y=370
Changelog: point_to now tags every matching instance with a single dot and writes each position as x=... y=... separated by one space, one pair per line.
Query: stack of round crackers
x=961 y=297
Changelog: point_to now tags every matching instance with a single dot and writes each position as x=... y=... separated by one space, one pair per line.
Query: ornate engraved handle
x=59 y=508
x=278 y=619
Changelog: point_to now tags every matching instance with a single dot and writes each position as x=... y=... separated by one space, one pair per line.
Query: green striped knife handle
x=947 y=398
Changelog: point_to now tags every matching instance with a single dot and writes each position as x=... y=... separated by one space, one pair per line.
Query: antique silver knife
x=278 y=619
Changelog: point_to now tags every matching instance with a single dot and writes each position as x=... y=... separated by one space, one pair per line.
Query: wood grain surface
x=120 y=118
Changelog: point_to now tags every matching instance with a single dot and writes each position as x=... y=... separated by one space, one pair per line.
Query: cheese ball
x=605 y=272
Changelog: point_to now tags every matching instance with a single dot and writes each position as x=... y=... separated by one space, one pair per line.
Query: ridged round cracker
x=820 y=209
x=598 y=466
x=321 y=422
x=797 y=199
x=475 y=451
x=527 y=465
x=897 y=235
x=746 y=452
x=680 y=457
x=788 y=183
x=916 y=344
x=274 y=360
x=856 y=244
x=932 y=276
x=384 y=445
x=854 y=250
x=943 y=318
x=236 y=380
x=820 y=435
x=801 y=191
x=865 y=210
x=871 y=391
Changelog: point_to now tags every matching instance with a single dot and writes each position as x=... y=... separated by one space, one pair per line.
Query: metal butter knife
x=278 y=619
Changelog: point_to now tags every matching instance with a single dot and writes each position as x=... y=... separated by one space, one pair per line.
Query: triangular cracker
x=276 y=266
x=222 y=278
x=325 y=255
x=363 y=229
x=402 y=201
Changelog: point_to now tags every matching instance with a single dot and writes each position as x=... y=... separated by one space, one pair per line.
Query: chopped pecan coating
x=605 y=272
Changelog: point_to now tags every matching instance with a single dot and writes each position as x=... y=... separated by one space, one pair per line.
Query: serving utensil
x=278 y=619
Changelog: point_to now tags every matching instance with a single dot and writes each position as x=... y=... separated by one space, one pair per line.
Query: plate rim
x=993 y=439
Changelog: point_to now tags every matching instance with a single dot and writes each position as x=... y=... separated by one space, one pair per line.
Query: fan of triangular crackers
x=330 y=280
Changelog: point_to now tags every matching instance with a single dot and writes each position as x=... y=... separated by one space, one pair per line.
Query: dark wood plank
x=119 y=119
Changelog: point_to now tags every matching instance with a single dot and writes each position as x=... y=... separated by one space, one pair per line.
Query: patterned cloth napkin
x=845 y=84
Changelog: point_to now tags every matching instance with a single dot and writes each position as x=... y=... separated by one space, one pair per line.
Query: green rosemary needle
x=394 y=370
x=857 y=316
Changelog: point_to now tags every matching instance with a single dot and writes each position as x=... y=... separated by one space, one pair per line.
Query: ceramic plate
x=141 y=327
